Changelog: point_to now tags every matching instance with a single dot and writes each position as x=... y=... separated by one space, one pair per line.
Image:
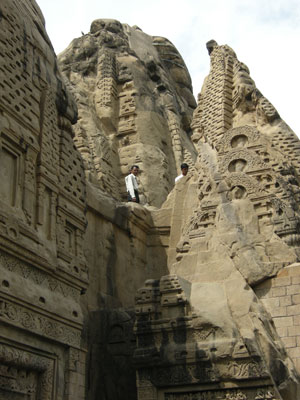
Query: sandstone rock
x=42 y=214
x=218 y=315
x=135 y=105
x=233 y=224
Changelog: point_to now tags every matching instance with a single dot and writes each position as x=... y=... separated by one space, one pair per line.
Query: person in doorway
x=132 y=185
x=184 y=170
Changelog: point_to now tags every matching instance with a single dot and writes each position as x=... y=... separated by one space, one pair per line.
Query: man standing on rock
x=132 y=185
x=184 y=170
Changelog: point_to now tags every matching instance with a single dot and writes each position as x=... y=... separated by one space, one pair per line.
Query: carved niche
x=26 y=375
x=177 y=356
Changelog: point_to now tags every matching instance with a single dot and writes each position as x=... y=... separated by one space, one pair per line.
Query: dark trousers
x=136 y=194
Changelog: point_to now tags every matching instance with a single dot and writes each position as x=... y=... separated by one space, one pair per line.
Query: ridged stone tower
x=217 y=326
x=192 y=294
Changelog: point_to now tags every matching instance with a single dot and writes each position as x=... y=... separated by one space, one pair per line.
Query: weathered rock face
x=42 y=214
x=135 y=105
x=49 y=320
x=218 y=316
x=233 y=225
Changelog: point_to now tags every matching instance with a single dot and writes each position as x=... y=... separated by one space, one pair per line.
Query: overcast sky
x=263 y=33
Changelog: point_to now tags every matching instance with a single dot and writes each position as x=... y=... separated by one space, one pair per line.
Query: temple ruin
x=194 y=294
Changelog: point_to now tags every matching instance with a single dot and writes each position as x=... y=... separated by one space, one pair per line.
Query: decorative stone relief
x=135 y=107
x=42 y=181
x=24 y=373
x=231 y=224
x=22 y=317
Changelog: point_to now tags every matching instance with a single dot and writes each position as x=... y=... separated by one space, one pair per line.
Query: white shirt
x=131 y=184
x=178 y=177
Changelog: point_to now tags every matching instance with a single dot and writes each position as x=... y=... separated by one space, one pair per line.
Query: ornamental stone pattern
x=194 y=293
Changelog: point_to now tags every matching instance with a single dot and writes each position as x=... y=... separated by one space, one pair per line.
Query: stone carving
x=26 y=374
x=222 y=395
x=33 y=322
x=178 y=358
x=36 y=276
x=138 y=112
x=42 y=211
x=232 y=226
x=227 y=231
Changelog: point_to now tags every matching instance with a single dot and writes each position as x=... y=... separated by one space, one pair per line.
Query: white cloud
x=264 y=34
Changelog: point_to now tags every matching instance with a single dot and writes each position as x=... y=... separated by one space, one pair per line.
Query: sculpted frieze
x=203 y=333
x=37 y=276
x=24 y=318
x=243 y=370
x=183 y=374
x=265 y=394
x=17 y=357
x=232 y=394
x=138 y=95
x=242 y=160
x=253 y=188
x=25 y=372
x=202 y=371
x=241 y=137
x=73 y=359
x=16 y=382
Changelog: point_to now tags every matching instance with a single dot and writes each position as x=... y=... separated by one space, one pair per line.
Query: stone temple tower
x=215 y=328
x=191 y=295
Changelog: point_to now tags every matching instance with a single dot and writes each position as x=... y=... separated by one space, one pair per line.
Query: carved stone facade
x=178 y=356
x=231 y=229
x=101 y=299
x=42 y=214
x=135 y=106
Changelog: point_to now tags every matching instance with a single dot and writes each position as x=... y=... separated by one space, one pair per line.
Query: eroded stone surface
x=135 y=105
x=42 y=214
x=233 y=225
x=220 y=257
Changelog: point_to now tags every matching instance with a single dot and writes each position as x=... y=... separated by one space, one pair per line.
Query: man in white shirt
x=184 y=170
x=132 y=185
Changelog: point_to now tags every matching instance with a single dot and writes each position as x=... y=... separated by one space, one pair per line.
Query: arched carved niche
x=239 y=141
x=237 y=160
x=238 y=165
x=241 y=137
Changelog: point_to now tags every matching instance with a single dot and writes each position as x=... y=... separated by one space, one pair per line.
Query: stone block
x=282 y=281
x=289 y=341
x=294 y=330
x=271 y=303
x=293 y=270
x=278 y=291
x=293 y=289
x=282 y=331
x=294 y=352
x=293 y=310
x=296 y=299
x=278 y=312
x=285 y=301
x=295 y=280
x=283 y=272
x=297 y=364
x=283 y=321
